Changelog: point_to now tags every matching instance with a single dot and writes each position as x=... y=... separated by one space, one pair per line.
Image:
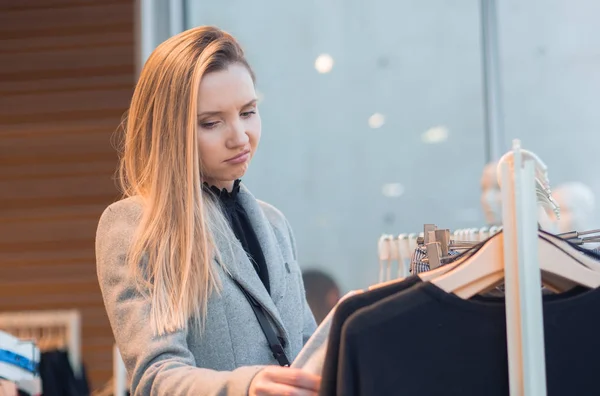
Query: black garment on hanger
x=425 y=342
x=343 y=311
x=58 y=378
x=242 y=228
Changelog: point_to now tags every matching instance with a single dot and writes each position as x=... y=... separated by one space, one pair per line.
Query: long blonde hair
x=172 y=252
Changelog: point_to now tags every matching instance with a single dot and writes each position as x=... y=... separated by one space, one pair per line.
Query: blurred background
x=378 y=116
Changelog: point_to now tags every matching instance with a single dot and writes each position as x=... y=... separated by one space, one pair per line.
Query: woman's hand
x=284 y=381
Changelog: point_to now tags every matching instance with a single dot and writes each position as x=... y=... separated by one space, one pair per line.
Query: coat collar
x=242 y=270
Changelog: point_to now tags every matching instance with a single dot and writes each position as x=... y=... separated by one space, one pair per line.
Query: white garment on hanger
x=312 y=356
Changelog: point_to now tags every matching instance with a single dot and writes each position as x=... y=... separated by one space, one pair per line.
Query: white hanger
x=412 y=242
x=484 y=233
x=394 y=255
x=542 y=182
x=474 y=234
x=383 y=251
x=456 y=235
x=404 y=252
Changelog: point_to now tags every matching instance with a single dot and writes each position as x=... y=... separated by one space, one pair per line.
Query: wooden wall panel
x=66 y=78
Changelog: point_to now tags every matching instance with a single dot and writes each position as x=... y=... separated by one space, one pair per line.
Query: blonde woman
x=199 y=278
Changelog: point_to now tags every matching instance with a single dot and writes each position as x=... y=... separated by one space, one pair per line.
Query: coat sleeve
x=310 y=324
x=161 y=365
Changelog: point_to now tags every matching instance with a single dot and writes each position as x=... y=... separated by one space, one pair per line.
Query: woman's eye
x=209 y=125
x=248 y=114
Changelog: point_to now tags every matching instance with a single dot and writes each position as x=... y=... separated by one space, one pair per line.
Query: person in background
x=577 y=204
x=200 y=280
x=491 y=197
x=322 y=293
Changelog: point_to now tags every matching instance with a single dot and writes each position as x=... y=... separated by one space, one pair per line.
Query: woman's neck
x=227 y=185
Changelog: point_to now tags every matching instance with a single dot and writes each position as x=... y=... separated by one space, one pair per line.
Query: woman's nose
x=238 y=136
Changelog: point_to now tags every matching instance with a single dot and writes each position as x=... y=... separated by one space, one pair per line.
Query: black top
x=241 y=227
x=424 y=341
x=343 y=311
x=58 y=378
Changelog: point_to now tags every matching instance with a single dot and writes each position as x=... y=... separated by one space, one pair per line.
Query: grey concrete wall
x=418 y=63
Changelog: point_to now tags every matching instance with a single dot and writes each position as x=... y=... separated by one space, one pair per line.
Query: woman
x=190 y=261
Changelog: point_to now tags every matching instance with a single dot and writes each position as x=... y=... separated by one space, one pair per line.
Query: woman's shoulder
x=274 y=215
x=282 y=228
x=127 y=209
x=120 y=218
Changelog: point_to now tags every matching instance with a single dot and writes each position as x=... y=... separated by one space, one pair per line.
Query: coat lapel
x=242 y=270
x=268 y=242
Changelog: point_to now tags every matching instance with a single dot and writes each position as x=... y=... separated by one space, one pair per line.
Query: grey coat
x=225 y=358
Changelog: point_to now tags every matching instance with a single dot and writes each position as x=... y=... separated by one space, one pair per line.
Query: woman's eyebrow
x=213 y=113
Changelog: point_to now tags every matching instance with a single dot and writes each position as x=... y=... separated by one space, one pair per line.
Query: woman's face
x=228 y=125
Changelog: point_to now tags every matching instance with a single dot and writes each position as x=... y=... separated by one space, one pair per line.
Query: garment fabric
x=416 y=262
x=343 y=311
x=468 y=339
x=58 y=378
x=312 y=356
x=314 y=343
x=240 y=225
x=225 y=357
x=315 y=362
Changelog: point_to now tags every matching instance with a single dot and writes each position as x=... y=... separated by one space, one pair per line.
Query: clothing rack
x=524 y=315
x=34 y=324
x=524 y=185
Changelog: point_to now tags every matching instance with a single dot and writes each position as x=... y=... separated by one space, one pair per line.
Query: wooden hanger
x=425 y=276
x=578 y=254
x=563 y=267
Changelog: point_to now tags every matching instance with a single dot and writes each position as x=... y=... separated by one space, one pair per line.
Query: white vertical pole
x=513 y=326
x=532 y=321
x=524 y=315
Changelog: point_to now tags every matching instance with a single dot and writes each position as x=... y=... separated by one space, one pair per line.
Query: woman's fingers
x=277 y=389
x=284 y=381
x=299 y=379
